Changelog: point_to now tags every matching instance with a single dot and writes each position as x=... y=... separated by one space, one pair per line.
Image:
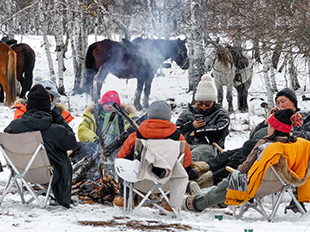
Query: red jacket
x=154 y=129
x=21 y=107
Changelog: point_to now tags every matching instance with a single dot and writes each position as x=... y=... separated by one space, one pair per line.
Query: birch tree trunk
x=269 y=92
x=195 y=48
x=59 y=45
x=273 y=79
x=43 y=20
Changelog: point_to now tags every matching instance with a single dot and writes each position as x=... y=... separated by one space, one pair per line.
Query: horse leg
x=26 y=83
x=229 y=98
x=1 y=94
x=85 y=85
x=138 y=95
x=219 y=93
x=23 y=88
x=147 y=92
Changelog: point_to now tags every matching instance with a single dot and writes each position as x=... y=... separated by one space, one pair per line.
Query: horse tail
x=90 y=59
x=11 y=77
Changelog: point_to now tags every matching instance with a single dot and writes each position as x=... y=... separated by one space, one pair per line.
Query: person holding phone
x=204 y=123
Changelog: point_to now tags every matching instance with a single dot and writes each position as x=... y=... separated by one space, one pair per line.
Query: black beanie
x=287 y=92
x=38 y=98
x=284 y=120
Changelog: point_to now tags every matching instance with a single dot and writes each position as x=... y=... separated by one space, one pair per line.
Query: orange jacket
x=154 y=129
x=297 y=157
x=20 y=109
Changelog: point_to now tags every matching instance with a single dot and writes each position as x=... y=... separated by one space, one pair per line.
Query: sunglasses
x=206 y=103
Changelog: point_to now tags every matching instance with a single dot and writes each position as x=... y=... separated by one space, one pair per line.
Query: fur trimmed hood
x=288 y=175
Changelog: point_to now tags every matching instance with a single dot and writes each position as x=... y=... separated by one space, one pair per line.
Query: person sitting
x=92 y=124
x=57 y=135
x=213 y=172
x=156 y=126
x=20 y=104
x=96 y=132
x=204 y=123
x=280 y=124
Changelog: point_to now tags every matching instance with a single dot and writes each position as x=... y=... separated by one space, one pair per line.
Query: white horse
x=220 y=61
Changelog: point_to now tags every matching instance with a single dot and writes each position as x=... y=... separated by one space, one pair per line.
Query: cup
x=218 y=217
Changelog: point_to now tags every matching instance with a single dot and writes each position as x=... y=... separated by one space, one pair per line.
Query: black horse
x=137 y=59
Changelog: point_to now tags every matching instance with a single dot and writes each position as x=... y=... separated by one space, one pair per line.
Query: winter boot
x=205 y=180
x=188 y=203
x=118 y=201
x=193 y=188
x=292 y=206
x=200 y=167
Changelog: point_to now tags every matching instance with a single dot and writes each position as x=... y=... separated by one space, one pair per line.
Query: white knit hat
x=206 y=90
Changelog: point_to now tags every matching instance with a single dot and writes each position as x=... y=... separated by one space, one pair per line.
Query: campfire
x=93 y=173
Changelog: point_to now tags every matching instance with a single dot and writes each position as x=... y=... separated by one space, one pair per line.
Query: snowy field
x=17 y=217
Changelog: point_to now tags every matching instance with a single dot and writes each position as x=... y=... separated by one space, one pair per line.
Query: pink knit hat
x=110 y=96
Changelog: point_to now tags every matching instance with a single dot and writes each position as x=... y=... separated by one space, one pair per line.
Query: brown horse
x=137 y=59
x=8 y=62
x=25 y=64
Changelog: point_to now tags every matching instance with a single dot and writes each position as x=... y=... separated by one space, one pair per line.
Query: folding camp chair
x=29 y=164
x=284 y=166
x=273 y=184
x=139 y=179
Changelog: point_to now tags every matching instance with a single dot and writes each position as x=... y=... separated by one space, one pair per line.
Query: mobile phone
x=199 y=117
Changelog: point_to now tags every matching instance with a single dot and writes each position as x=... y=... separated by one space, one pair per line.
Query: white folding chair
x=29 y=164
x=139 y=179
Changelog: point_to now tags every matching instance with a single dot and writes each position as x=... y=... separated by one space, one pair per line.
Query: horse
x=139 y=59
x=8 y=62
x=25 y=64
x=223 y=63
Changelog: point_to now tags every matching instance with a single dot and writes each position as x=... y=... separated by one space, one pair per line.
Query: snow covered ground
x=17 y=217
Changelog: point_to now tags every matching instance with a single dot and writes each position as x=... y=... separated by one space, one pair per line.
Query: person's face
x=270 y=130
x=108 y=107
x=285 y=103
x=205 y=105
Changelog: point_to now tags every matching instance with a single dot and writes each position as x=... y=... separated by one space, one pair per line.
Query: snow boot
x=193 y=188
x=205 y=180
x=292 y=206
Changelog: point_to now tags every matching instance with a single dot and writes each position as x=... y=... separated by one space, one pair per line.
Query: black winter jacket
x=215 y=130
x=58 y=137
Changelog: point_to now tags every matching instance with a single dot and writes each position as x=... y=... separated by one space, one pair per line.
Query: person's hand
x=271 y=111
x=90 y=107
x=56 y=115
x=199 y=123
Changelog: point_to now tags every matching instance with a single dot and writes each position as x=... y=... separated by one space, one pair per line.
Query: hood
x=156 y=128
x=38 y=120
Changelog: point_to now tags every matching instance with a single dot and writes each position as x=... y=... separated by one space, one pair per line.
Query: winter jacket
x=296 y=155
x=215 y=130
x=88 y=130
x=58 y=138
x=155 y=129
x=20 y=107
x=258 y=148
